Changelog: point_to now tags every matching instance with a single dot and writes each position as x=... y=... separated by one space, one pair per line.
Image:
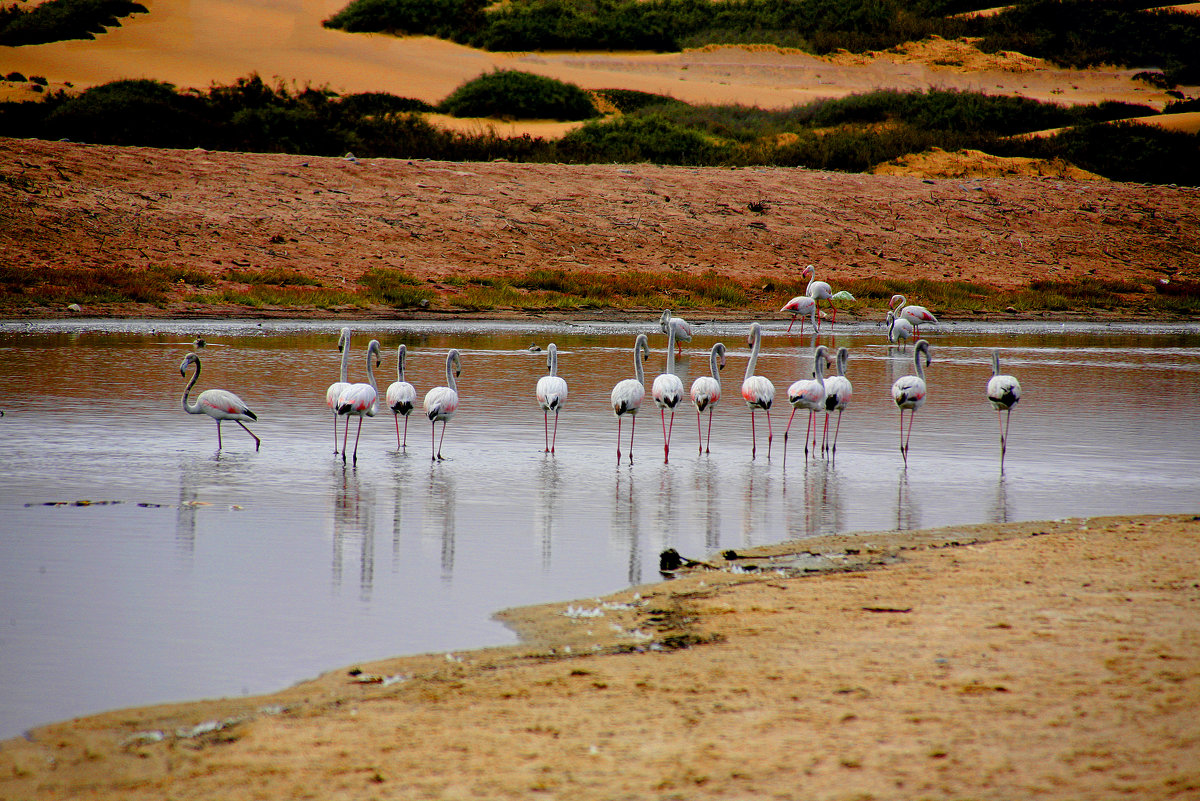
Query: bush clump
x=519 y=95
x=57 y=20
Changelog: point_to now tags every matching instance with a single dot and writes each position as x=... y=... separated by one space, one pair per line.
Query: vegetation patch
x=57 y=20
x=395 y=288
x=273 y=276
x=511 y=94
x=63 y=285
x=284 y=297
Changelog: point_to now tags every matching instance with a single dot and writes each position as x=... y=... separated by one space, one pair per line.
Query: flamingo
x=1003 y=391
x=899 y=329
x=706 y=391
x=627 y=395
x=681 y=327
x=838 y=392
x=914 y=314
x=808 y=393
x=800 y=306
x=909 y=393
x=758 y=392
x=219 y=404
x=551 y=395
x=819 y=291
x=400 y=397
x=667 y=391
x=337 y=387
x=442 y=402
x=359 y=400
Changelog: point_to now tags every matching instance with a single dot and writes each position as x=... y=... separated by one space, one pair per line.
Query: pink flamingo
x=808 y=393
x=899 y=330
x=667 y=391
x=757 y=391
x=551 y=395
x=627 y=395
x=337 y=387
x=442 y=402
x=915 y=315
x=219 y=404
x=706 y=391
x=401 y=396
x=1003 y=391
x=679 y=326
x=360 y=400
x=800 y=306
x=819 y=291
x=838 y=392
x=909 y=393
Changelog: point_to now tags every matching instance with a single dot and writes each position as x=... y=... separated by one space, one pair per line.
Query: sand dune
x=194 y=44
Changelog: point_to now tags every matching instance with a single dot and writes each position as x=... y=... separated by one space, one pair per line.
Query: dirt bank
x=1049 y=660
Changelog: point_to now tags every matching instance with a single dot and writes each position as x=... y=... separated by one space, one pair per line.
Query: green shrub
x=395 y=288
x=518 y=95
x=57 y=20
x=131 y=112
x=635 y=139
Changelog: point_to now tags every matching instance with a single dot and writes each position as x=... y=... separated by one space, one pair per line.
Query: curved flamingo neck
x=712 y=362
x=552 y=360
x=344 y=341
x=842 y=357
x=756 y=337
x=195 y=407
x=638 y=348
x=995 y=363
x=670 y=348
x=922 y=348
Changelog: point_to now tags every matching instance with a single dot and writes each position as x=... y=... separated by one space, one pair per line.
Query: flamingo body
x=677 y=325
x=219 y=404
x=909 y=393
x=667 y=390
x=551 y=394
x=401 y=397
x=442 y=402
x=808 y=393
x=360 y=400
x=819 y=290
x=915 y=315
x=899 y=329
x=1003 y=391
x=838 y=393
x=757 y=391
x=626 y=397
x=801 y=306
x=706 y=390
x=342 y=384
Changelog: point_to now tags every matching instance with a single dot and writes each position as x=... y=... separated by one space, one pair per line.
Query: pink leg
x=405 y=445
x=554 y=438
x=662 y=413
x=546 y=426
x=398 y=428
x=442 y=438
x=709 y=429
x=786 y=431
x=700 y=431
x=632 y=429
x=753 y=436
x=356 y=436
x=618 y=439
x=836 y=430
x=257 y=441
x=432 y=439
x=345 y=438
x=670 y=428
x=806 y=428
x=335 y=450
x=218 y=434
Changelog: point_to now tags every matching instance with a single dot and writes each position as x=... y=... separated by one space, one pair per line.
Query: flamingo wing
x=838 y=392
x=334 y=392
x=908 y=392
x=401 y=397
x=706 y=392
x=551 y=392
x=1004 y=391
x=358 y=399
x=627 y=396
x=221 y=404
x=440 y=403
x=667 y=391
x=758 y=392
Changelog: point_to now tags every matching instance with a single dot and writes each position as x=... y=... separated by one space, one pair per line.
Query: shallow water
x=244 y=572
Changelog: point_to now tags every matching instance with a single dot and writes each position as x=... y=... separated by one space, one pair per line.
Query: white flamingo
x=442 y=402
x=360 y=400
x=706 y=391
x=667 y=391
x=337 y=387
x=401 y=396
x=757 y=391
x=219 y=404
x=627 y=395
x=551 y=395
x=899 y=330
x=838 y=392
x=909 y=393
x=1003 y=391
x=808 y=393
x=819 y=291
x=916 y=315
x=800 y=306
x=681 y=327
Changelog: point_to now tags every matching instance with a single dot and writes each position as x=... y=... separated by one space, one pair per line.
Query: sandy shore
x=1037 y=660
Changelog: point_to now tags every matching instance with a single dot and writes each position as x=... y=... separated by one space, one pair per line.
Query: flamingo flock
x=816 y=395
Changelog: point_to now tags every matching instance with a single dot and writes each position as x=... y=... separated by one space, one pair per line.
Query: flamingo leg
x=257 y=441
x=398 y=428
x=632 y=428
x=825 y=435
x=441 y=439
x=811 y=424
x=662 y=413
x=345 y=437
x=700 y=431
x=709 y=429
x=670 y=428
x=1007 y=420
x=753 y=436
x=405 y=445
x=357 y=434
x=546 y=426
x=618 y=439
x=912 y=416
x=218 y=434
x=793 y=322
x=770 y=434
x=432 y=437
x=833 y=316
x=335 y=417
x=786 y=431
x=836 y=430
x=902 y=453
x=554 y=437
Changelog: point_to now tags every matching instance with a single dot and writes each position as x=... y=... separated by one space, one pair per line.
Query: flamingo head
x=897 y=300
x=188 y=361
x=807 y=272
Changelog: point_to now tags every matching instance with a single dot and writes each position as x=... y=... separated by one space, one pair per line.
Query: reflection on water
x=148 y=597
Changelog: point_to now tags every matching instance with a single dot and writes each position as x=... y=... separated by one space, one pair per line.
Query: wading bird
x=916 y=315
x=551 y=395
x=681 y=327
x=706 y=391
x=1003 y=391
x=899 y=330
x=627 y=395
x=219 y=404
x=401 y=396
x=838 y=392
x=909 y=393
x=819 y=291
x=800 y=306
x=808 y=393
x=360 y=400
x=442 y=402
x=338 y=387
x=667 y=391
x=757 y=391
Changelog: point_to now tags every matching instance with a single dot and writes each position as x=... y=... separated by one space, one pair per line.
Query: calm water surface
x=195 y=575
